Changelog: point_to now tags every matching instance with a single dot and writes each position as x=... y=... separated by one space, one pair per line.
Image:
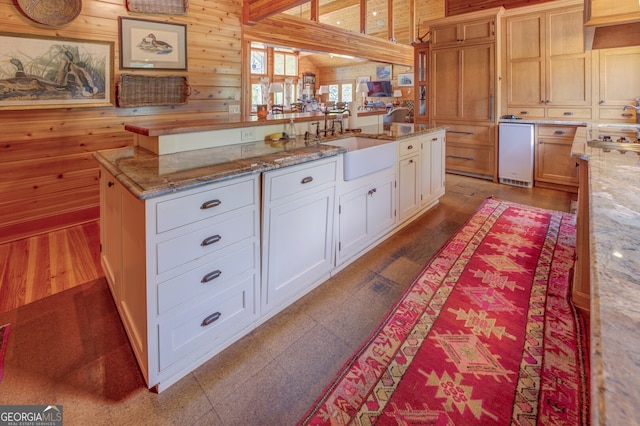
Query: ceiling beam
x=298 y=33
x=254 y=11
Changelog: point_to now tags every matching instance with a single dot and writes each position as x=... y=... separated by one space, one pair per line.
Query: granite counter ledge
x=614 y=216
x=147 y=175
x=163 y=128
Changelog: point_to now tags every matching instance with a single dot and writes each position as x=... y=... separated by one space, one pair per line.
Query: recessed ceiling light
x=376 y=13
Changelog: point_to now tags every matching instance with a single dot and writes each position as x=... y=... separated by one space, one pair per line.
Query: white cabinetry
x=366 y=212
x=189 y=271
x=421 y=170
x=432 y=160
x=297 y=225
x=409 y=175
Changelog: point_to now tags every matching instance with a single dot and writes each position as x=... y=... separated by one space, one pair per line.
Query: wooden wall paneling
x=458 y=7
x=48 y=176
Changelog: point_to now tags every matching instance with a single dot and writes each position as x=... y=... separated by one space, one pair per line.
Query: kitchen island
x=614 y=217
x=200 y=246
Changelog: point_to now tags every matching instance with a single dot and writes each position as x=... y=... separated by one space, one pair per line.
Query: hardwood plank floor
x=37 y=267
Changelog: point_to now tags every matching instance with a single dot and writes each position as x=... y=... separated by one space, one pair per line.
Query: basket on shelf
x=135 y=90
x=170 y=7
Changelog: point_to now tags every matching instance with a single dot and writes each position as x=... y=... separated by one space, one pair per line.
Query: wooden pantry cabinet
x=548 y=72
x=463 y=93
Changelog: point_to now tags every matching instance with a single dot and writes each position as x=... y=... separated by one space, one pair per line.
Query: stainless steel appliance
x=515 y=154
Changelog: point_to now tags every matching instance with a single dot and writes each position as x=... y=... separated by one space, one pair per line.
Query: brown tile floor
x=70 y=348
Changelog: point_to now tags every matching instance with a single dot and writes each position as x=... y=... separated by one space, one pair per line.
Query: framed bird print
x=54 y=72
x=152 y=45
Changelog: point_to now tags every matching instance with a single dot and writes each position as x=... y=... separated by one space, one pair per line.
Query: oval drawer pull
x=210 y=319
x=211 y=276
x=307 y=180
x=210 y=204
x=210 y=240
x=410 y=147
x=559 y=132
x=568 y=113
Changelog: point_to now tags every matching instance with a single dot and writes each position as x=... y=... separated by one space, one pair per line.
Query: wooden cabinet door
x=525 y=60
x=554 y=164
x=477 y=85
x=568 y=67
x=618 y=86
x=445 y=84
x=463 y=83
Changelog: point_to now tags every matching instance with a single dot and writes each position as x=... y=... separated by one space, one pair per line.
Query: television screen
x=379 y=89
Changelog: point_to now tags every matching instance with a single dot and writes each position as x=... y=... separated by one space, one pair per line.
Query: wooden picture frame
x=405 y=79
x=152 y=45
x=383 y=72
x=54 y=72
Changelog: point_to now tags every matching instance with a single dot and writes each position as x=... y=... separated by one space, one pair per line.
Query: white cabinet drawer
x=208 y=239
x=409 y=147
x=300 y=178
x=180 y=211
x=203 y=326
x=208 y=279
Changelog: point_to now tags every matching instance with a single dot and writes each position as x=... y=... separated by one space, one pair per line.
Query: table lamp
x=364 y=89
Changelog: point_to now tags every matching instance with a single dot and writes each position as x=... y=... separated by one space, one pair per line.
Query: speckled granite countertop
x=148 y=175
x=615 y=281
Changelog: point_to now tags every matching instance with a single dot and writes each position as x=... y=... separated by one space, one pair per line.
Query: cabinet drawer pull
x=211 y=318
x=524 y=112
x=211 y=276
x=306 y=180
x=110 y=184
x=410 y=147
x=434 y=139
x=459 y=132
x=559 y=132
x=371 y=192
x=568 y=113
x=210 y=240
x=209 y=204
x=626 y=114
x=460 y=158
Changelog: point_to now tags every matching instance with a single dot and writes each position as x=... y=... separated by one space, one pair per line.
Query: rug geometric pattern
x=484 y=335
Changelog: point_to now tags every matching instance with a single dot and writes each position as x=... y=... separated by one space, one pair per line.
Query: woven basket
x=170 y=7
x=136 y=90
x=51 y=12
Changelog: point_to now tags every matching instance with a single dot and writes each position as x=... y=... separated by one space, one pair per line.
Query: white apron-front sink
x=366 y=155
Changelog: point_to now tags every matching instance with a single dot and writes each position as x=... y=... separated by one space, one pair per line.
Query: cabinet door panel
x=569 y=83
x=445 y=65
x=380 y=209
x=524 y=38
x=526 y=83
x=617 y=84
x=353 y=229
x=554 y=162
x=566 y=33
x=408 y=202
x=299 y=245
x=478 y=73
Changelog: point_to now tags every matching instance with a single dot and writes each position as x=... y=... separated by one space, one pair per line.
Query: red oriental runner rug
x=485 y=335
